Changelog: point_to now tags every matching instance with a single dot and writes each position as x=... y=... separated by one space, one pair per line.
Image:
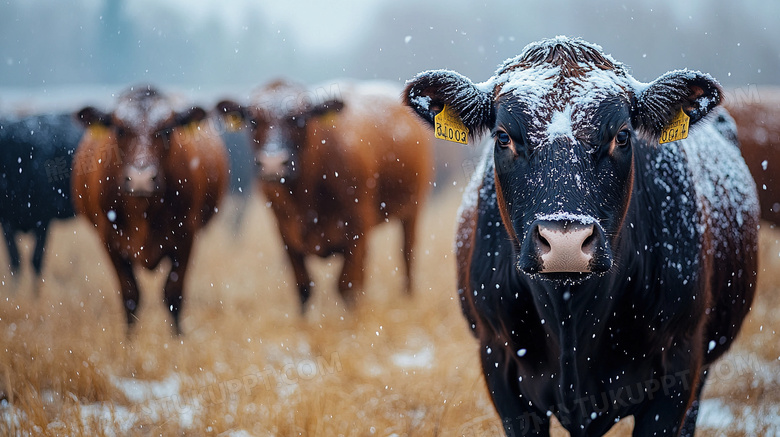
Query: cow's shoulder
x=725 y=190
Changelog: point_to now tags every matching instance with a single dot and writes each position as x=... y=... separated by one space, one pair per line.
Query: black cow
x=242 y=168
x=35 y=167
x=600 y=270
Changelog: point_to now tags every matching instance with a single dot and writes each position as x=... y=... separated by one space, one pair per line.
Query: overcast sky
x=50 y=49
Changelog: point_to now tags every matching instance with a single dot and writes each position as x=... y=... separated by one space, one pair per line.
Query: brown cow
x=758 y=125
x=332 y=168
x=152 y=177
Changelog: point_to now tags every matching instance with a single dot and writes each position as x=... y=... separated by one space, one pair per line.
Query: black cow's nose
x=568 y=247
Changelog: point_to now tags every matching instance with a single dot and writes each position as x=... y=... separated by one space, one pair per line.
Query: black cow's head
x=278 y=117
x=564 y=119
x=141 y=125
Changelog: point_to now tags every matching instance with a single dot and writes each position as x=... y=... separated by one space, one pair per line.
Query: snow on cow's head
x=278 y=118
x=564 y=118
x=140 y=126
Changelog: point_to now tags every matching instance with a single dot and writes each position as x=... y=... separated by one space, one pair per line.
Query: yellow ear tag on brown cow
x=677 y=129
x=98 y=131
x=232 y=122
x=449 y=127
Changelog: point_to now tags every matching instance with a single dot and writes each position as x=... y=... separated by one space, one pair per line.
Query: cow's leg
x=517 y=416
x=127 y=285
x=664 y=414
x=409 y=225
x=689 y=425
x=13 y=250
x=302 y=278
x=37 y=261
x=174 y=285
x=352 y=273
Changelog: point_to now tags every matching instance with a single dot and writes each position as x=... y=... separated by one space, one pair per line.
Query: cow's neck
x=567 y=333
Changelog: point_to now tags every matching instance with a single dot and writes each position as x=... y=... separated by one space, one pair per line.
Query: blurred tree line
x=45 y=43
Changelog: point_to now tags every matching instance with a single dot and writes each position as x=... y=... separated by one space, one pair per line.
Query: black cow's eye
x=503 y=139
x=621 y=139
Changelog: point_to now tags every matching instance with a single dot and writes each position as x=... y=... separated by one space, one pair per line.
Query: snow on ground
x=149 y=404
x=421 y=359
x=107 y=418
x=715 y=414
x=138 y=391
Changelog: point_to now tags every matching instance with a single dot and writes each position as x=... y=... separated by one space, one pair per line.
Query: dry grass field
x=250 y=365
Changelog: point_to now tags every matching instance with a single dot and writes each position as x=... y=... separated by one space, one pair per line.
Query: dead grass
x=248 y=364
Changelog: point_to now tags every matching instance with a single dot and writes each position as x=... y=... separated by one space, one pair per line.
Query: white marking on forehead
x=148 y=112
x=560 y=125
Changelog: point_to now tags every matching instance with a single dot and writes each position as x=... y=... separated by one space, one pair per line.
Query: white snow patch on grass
x=236 y=433
x=110 y=419
x=421 y=359
x=713 y=413
x=761 y=420
x=10 y=415
x=137 y=391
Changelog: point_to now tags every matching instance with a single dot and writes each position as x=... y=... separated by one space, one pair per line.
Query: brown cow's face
x=565 y=120
x=142 y=124
x=278 y=140
x=278 y=120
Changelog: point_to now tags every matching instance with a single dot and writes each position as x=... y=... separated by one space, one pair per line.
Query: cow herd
x=150 y=173
x=592 y=254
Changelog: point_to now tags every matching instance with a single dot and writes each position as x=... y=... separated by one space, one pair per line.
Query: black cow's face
x=141 y=125
x=564 y=120
x=564 y=173
x=278 y=120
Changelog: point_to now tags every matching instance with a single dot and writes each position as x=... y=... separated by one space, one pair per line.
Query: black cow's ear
x=91 y=116
x=192 y=115
x=325 y=107
x=231 y=108
x=694 y=92
x=429 y=91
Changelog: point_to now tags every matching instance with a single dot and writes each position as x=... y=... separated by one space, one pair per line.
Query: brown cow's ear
x=694 y=92
x=325 y=107
x=429 y=91
x=91 y=116
x=192 y=115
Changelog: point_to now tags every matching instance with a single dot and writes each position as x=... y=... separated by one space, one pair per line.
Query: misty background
x=68 y=53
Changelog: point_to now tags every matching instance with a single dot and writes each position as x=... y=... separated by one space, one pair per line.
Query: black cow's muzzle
x=564 y=244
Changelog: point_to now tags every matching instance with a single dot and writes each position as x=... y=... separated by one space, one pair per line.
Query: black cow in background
x=242 y=163
x=35 y=167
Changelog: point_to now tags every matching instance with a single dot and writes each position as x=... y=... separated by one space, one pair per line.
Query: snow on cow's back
x=373 y=103
x=376 y=99
x=726 y=192
x=359 y=94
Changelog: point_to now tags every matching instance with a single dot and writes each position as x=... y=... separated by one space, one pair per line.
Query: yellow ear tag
x=450 y=128
x=98 y=131
x=677 y=129
x=232 y=122
x=192 y=129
